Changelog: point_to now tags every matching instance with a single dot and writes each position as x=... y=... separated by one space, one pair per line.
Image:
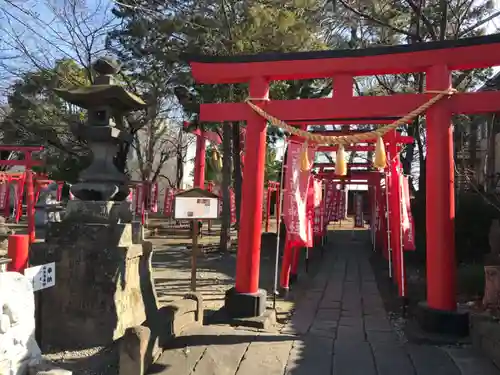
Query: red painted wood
x=248 y=260
x=440 y=212
x=366 y=107
x=349 y=165
x=464 y=58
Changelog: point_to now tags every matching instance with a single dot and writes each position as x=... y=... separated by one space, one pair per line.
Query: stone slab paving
x=339 y=327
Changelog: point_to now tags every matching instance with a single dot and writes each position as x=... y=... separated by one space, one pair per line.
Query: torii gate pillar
x=199 y=161
x=246 y=299
x=439 y=313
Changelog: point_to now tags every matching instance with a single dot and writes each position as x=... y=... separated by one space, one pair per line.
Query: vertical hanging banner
x=342 y=203
x=329 y=203
x=407 y=223
x=294 y=202
x=335 y=204
x=3 y=196
x=318 y=208
x=221 y=204
x=153 y=202
x=358 y=209
x=232 y=198
x=310 y=213
x=264 y=200
x=169 y=202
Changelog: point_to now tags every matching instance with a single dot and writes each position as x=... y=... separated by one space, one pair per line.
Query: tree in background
x=354 y=24
x=74 y=35
x=155 y=35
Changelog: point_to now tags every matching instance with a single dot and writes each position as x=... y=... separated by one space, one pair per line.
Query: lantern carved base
x=98 y=212
x=103 y=285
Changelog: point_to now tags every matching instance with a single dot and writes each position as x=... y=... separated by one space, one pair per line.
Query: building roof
x=491 y=84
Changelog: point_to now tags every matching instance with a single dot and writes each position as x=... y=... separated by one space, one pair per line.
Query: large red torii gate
x=436 y=59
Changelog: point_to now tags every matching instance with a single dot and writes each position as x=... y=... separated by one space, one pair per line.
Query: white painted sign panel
x=196 y=208
x=42 y=277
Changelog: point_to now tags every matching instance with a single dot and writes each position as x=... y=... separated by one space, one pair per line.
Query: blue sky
x=35 y=25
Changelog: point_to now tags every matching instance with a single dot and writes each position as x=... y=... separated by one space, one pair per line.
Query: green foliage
x=473 y=218
x=273 y=166
x=37 y=116
x=272 y=171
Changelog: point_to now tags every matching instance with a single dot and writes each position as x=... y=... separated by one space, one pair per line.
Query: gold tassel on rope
x=380 y=160
x=340 y=164
x=305 y=164
x=216 y=160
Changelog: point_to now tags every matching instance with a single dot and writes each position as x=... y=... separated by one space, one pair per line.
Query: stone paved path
x=340 y=327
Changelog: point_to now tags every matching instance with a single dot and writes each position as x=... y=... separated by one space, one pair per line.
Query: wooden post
x=194 y=254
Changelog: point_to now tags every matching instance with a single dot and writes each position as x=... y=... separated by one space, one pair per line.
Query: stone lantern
x=102 y=274
x=106 y=103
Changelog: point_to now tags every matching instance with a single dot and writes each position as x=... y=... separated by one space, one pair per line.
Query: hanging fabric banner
x=336 y=204
x=221 y=205
x=329 y=203
x=3 y=195
x=233 y=206
x=168 y=204
x=60 y=186
x=264 y=201
x=318 y=208
x=339 y=204
x=342 y=208
x=310 y=213
x=358 y=210
x=294 y=202
x=408 y=224
x=153 y=207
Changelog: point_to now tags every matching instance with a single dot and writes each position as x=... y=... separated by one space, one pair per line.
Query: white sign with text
x=42 y=277
x=196 y=208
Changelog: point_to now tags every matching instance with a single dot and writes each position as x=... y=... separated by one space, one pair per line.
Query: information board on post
x=195 y=204
x=196 y=208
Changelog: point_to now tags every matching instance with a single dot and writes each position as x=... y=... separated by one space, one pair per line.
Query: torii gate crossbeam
x=437 y=60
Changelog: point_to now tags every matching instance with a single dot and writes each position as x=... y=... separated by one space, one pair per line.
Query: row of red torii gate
x=438 y=102
x=312 y=201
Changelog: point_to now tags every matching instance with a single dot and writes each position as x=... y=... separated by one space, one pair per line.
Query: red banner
x=294 y=205
x=408 y=225
x=3 y=196
x=338 y=205
x=330 y=194
x=264 y=201
x=318 y=228
x=342 y=205
x=168 y=204
x=153 y=202
x=233 y=206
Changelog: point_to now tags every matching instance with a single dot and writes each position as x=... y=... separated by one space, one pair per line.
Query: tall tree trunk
x=180 y=157
x=473 y=146
x=225 y=232
x=237 y=177
x=490 y=161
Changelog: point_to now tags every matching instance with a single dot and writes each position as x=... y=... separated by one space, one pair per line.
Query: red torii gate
x=436 y=59
x=28 y=162
x=201 y=147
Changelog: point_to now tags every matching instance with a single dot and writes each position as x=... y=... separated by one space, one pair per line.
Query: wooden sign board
x=196 y=204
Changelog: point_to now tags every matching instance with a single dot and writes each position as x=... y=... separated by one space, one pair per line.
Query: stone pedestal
x=103 y=280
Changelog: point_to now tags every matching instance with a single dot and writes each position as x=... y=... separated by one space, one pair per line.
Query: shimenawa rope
x=380 y=159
